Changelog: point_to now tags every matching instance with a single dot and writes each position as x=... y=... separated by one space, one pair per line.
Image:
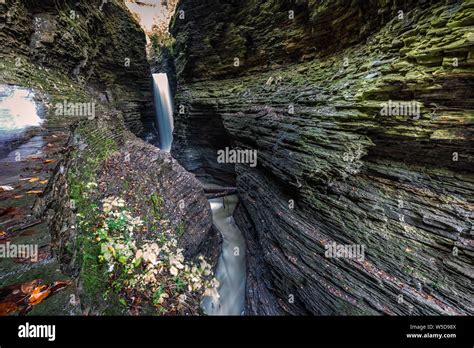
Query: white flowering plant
x=154 y=271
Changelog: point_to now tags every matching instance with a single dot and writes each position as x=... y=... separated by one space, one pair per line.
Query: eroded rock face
x=198 y=153
x=79 y=51
x=332 y=165
x=153 y=186
x=134 y=173
x=89 y=42
x=148 y=171
x=211 y=35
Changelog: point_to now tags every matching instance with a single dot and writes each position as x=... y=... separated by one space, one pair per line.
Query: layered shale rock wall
x=264 y=35
x=94 y=52
x=311 y=95
x=90 y=42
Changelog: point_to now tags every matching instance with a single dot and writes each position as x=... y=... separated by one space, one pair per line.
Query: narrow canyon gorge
x=278 y=157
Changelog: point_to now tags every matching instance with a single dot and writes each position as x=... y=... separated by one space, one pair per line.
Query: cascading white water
x=231 y=268
x=164 y=110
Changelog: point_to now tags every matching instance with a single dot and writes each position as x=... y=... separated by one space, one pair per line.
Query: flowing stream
x=231 y=271
x=231 y=268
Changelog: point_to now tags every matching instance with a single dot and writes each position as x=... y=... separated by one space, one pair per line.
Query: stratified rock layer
x=68 y=51
x=212 y=34
x=134 y=172
x=331 y=166
x=99 y=45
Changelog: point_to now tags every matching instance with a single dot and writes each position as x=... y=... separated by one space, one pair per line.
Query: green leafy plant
x=157 y=205
x=180 y=229
x=158 y=272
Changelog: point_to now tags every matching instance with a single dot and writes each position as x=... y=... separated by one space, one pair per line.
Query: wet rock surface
x=79 y=52
x=27 y=171
x=331 y=166
x=90 y=43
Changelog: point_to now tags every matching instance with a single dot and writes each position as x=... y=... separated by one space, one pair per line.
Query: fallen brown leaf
x=34 y=192
x=22 y=297
x=7 y=308
x=28 y=287
x=34 y=179
x=58 y=285
x=7 y=211
x=39 y=294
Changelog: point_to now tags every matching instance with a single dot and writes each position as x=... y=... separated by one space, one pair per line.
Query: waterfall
x=164 y=110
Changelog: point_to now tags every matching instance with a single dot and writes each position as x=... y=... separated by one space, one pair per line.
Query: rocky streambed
x=231 y=272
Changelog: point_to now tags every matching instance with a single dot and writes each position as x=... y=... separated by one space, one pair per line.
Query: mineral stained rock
x=308 y=92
